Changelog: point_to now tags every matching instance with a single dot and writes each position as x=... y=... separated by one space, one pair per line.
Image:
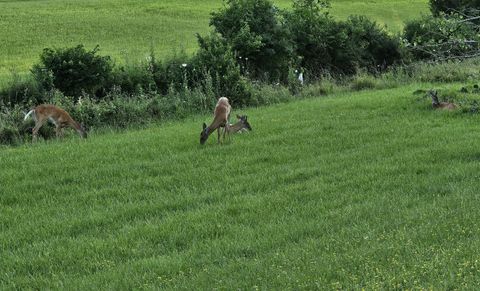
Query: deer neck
x=216 y=123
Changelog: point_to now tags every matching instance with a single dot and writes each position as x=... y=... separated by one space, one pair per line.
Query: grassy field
x=369 y=189
x=129 y=29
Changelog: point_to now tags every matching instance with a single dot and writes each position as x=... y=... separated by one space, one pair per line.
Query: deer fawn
x=441 y=105
x=220 y=119
x=241 y=125
x=59 y=117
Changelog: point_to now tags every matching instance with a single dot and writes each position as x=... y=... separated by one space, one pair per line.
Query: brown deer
x=59 y=117
x=241 y=125
x=441 y=105
x=220 y=119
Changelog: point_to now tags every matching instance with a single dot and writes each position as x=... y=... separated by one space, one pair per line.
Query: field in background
x=369 y=189
x=128 y=29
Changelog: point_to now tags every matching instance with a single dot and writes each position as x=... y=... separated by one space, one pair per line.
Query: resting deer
x=220 y=119
x=441 y=105
x=241 y=125
x=59 y=117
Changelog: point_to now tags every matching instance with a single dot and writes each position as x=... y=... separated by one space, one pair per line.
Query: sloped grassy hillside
x=369 y=189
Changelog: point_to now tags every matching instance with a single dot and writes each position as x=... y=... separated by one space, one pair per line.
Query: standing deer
x=441 y=105
x=241 y=125
x=59 y=117
x=220 y=119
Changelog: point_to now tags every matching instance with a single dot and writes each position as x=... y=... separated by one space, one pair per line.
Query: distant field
x=358 y=190
x=128 y=29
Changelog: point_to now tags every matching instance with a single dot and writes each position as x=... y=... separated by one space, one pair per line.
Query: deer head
x=244 y=121
x=204 y=134
x=434 y=95
x=83 y=130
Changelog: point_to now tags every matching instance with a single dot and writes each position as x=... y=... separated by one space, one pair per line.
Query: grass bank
x=368 y=189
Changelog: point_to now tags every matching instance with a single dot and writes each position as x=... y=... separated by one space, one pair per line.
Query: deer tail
x=29 y=113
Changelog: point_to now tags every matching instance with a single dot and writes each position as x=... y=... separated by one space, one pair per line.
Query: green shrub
x=270 y=94
x=440 y=38
x=74 y=71
x=374 y=49
x=324 y=86
x=469 y=7
x=9 y=135
x=21 y=89
x=325 y=45
x=215 y=63
x=321 y=44
x=255 y=29
x=133 y=79
x=363 y=82
x=175 y=73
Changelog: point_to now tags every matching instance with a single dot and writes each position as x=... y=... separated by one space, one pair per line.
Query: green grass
x=369 y=189
x=128 y=29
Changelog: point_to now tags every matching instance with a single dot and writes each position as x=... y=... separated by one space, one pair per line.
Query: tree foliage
x=255 y=29
x=73 y=70
x=470 y=7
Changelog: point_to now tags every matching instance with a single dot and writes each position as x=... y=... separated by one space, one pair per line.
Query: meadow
x=355 y=190
x=129 y=30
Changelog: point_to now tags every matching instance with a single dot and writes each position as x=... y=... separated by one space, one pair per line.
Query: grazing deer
x=59 y=117
x=241 y=125
x=220 y=119
x=441 y=105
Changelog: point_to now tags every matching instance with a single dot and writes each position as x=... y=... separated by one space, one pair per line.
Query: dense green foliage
x=441 y=38
x=342 y=47
x=258 y=36
x=121 y=110
x=267 y=41
x=469 y=7
x=74 y=71
x=368 y=190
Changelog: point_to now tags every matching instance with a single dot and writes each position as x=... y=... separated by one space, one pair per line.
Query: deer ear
x=204 y=126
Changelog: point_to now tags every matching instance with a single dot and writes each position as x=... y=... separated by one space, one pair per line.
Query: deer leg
x=225 y=129
x=59 y=131
x=219 y=133
x=35 y=130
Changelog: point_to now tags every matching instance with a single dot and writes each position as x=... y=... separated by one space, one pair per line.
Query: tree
x=469 y=7
x=256 y=32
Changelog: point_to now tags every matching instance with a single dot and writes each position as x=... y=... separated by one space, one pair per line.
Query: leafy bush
x=373 y=47
x=9 y=135
x=133 y=79
x=469 y=7
x=440 y=38
x=215 y=62
x=317 y=36
x=74 y=71
x=21 y=89
x=339 y=47
x=175 y=73
x=255 y=29
x=363 y=82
